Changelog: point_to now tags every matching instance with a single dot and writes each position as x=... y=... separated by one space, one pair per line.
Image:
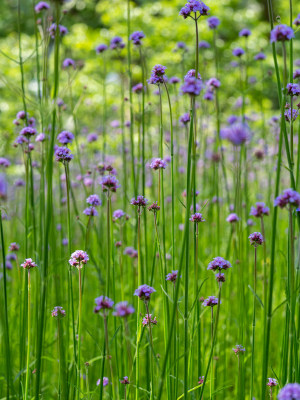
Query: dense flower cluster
x=192 y=86
x=259 y=210
x=288 y=197
x=28 y=264
x=109 y=183
x=172 y=276
x=218 y=264
x=158 y=163
x=117 y=43
x=211 y=301
x=291 y=391
x=272 y=382
x=123 y=309
x=94 y=200
x=281 y=33
x=144 y=292
x=103 y=303
x=157 y=75
x=194 y=6
x=256 y=239
x=140 y=201
x=63 y=154
x=239 y=349
x=78 y=259
x=197 y=217
x=65 y=137
x=137 y=37
x=58 y=312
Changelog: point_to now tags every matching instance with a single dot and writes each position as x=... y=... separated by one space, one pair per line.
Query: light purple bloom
x=232 y=218
x=211 y=301
x=281 y=33
x=109 y=183
x=259 y=210
x=137 y=37
x=213 y=22
x=158 y=163
x=272 y=382
x=144 y=292
x=192 y=86
x=62 y=30
x=256 y=239
x=41 y=137
x=101 y=48
x=68 y=62
x=172 y=276
x=58 y=312
x=185 y=119
x=238 y=52
x=117 y=43
x=4 y=162
x=245 y=32
x=197 y=217
x=123 y=309
x=137 y=88
x=28 y=131
x=147 y=320
x=65 y=137
x=140 y=201
x=218 y=264
x=289 y=196
x=260 y=56
x=118 y=214
x=91 y=212
x=63 y=154
x=203 y=44
x=28 y=264
x=103 y=303
x=41 y=6
x=239 y=349
x=94 y=200
x=105 y=381
x=78 y=259
x=291 y=391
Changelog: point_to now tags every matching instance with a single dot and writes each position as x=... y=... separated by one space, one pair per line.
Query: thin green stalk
x=253 y=327
x=28 y=339
x=79 y=334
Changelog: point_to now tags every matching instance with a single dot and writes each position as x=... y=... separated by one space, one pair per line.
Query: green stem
x=28 y=340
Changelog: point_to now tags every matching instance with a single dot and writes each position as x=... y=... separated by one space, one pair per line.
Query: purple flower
x=245 y=32
x=260 y=56
x=239 y=349
x=105 y=381
x=200 y=380
x=131 y=252
x=4 y=162
x=63 y=154
x=293 y=89
x=140 y=201
x=91 y=212
x=157 y=74
x=296 y=74
x=138 y=88
x=194 y=6
x=158 y=163
x=65 y=137
x=289 y=196
x=181 y=45
x=58 y=312
x=291 y=115
x=214 y=83
x=291 y=391
x=238 y=52
x=117 y=43
x=232 y=218
x=211 y=301
x=218 y=264
x=232 y=119
x=78 y=259
x=192 y=74
x=41 y=6
x=213 y=22
x=197 y=217
x=14 y=247
x=137 y=37
x=123 y=309
x=281 y=33
x=144 y=292
x=185 y=119
x=259 y=210
x=41 y=137
x=101 y=48
x=62 y=30
x=28 y=131
x=297 y=20
x=147 y=320
x=174 y=80
x=203 y=44
x=103 y=303
x=92 y=137
x=237 y=133
x=208 y=95
x=220 y=277
x=256 y=239
x=172 y=276
x=272 y=382
x=68 y=62
x=154 y=207
x=28 y=264
x=118 y=214
x=192 y=86
x=109 y=183
x=125 y=380
x=94 y=200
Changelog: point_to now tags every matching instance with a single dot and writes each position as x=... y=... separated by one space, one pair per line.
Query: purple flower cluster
x=28 y=131
x=218 y=264
x=232 y=218
x=154 y=207
x=293 y=89
x=63 y=154
x=157 y=75
x=91 y=212
x=272 y=382
x=117 y=43
x=137 y=37
x=211 y=301
x=259 y=210
x=245 y=32
x=256 y=239
x=140 y=201
x=118 y=214
x=185 y=119
x=291 y=391
x=4 y=162
x=41 y=6
x=194 y=6
x=62 y=30
x=65 y=137
x=239 y=349
x=144 y=292
x=148 y=320
x=78 y=259
x=101 y=48
x=158 y=163
x=192 y=86
x=260 y=56
x=123 y=309
x=109 y=183
x=105 y=381
x=131 y=252
x=94 y=200
x=68 y=62
x=138 y=88
x=281 y=33
x=58 y=312
x=197 y=217
x=237 y=133
x=213 y=22
x=289 y=196
x=103 y=303
x=28 y=264
x=172 y=276
x=14 y=247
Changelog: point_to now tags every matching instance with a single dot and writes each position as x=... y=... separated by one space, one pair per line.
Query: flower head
x=138 y=88
x=137 y=37
x=41 y=6
x=239 y=349
x=123 y=309
x=232 y=218
x=91 y=212
x=260 y=56
x=203 y=44
x=68 y=62
x=14 y=247
x=289 y=196
x=140 y=201
x=125 y=380
x=211 y=301
x=259 y=210
x=220 y=277
x=28 y=264
x=28 y=131
x=147 y=320
x=194 y=6
x=238 y=52
x=157 y=75
x=101 y=48
x=94 y=200
x=62 y=30
x=154 y=207
x=192 y=74
x=63 y=154
x=185 y=119
x=58 y=312
x=219 y=263
x=65 y=137
x=293 y=89
x=291 y=391
x=78 y=259
x=144 y=292
x=117 y=43
x=272 y=382
x=41 y=137
x=237 y=133
x=103 y=303
x=281 y=33
x=256 y=239
x=213 y=22
x=174 y=80
x=213 y=83
x=109 y=183
x=158 y=163
x=172 y=276
x=4 y=162
x=192 y=86
x=197 y=217
x=105 y=381
x=200 y=380
x=245 y=32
